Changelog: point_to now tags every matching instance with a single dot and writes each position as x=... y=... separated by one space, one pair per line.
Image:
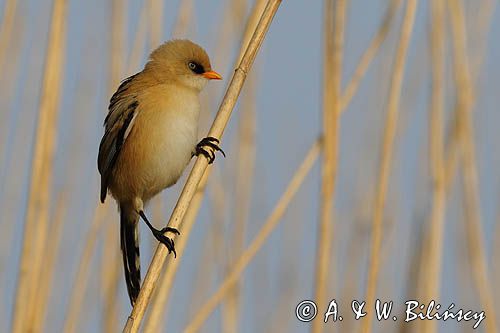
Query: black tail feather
x=129 y=239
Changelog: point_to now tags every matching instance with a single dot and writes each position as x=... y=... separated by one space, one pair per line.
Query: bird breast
x=162 y=140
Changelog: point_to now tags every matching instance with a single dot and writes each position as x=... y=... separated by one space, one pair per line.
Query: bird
x=150 y=135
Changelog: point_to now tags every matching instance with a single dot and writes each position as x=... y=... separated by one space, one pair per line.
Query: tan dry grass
x=37 y=214
x=465 y=100
x=369 y=54
x=6 y=28
x=333 y=35
x=155 y=9
x=386 y=158
x=79 y=290
x=431 y=271
x=242 y=199
x=51 y=249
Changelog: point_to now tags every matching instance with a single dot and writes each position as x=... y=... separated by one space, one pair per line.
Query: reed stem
x=37 y=214
x=386 y=159
x=333 y=35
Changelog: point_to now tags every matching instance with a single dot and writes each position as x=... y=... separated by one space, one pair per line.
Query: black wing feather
x=122 y=110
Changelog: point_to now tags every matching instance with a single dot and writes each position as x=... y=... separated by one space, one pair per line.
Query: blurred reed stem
x=333 y=40
x=111 y=273
x=246 y=257
x=117 y=52
x=349 y=92
x=229 y=27
x=155 y=22
x=369 y=54
x=6 y=29
x=484 y=23
x=465 y=101
x=201 y=163
x=38 y=207
x=242 y=199
x=137 y=49
x=386 y=158
x=79 y=289
x=245 y=160
x=483 y=20
x=430 y=284
x=184 y=19
x=50 y=251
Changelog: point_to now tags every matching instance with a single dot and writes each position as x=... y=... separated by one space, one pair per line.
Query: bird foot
x=167 y=241
x=160 y=234
x=209 y=154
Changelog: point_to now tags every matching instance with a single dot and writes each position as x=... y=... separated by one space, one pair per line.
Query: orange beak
x=211 y=75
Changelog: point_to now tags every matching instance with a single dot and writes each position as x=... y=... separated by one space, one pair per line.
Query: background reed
x=333 y=35
x=386 y=158
x=411 y=166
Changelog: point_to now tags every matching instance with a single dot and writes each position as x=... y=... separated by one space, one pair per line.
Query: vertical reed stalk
x=465 y=100
x=333 y=35
x=137 y=51
x=50 y=253
x=229 y=27
x=156 y=22
x=41 y=173
x=451 y=161
x=79 y=289
x=386 y=158
x=111 y=274
x=430 y=289
x=246 y=257
x=201 y=163
x=245 y=164
x=495 y=254
x=117 y=53
x=6 y=27
x=245 y=179
x=483 y=19
x=184 y=19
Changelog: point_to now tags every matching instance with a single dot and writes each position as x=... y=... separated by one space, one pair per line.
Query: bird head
x=183 y=62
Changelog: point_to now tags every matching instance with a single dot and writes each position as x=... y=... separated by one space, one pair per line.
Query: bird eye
x=195 y=67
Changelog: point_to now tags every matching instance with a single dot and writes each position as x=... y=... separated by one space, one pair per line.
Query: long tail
x=129 y=239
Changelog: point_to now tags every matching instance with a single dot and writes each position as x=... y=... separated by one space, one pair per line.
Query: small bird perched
x=150 y=136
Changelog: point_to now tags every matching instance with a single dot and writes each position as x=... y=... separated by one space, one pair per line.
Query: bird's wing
x=118 y=124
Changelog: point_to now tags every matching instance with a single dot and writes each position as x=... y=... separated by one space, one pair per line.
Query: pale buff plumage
x=159 y=145
x=150 y=136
